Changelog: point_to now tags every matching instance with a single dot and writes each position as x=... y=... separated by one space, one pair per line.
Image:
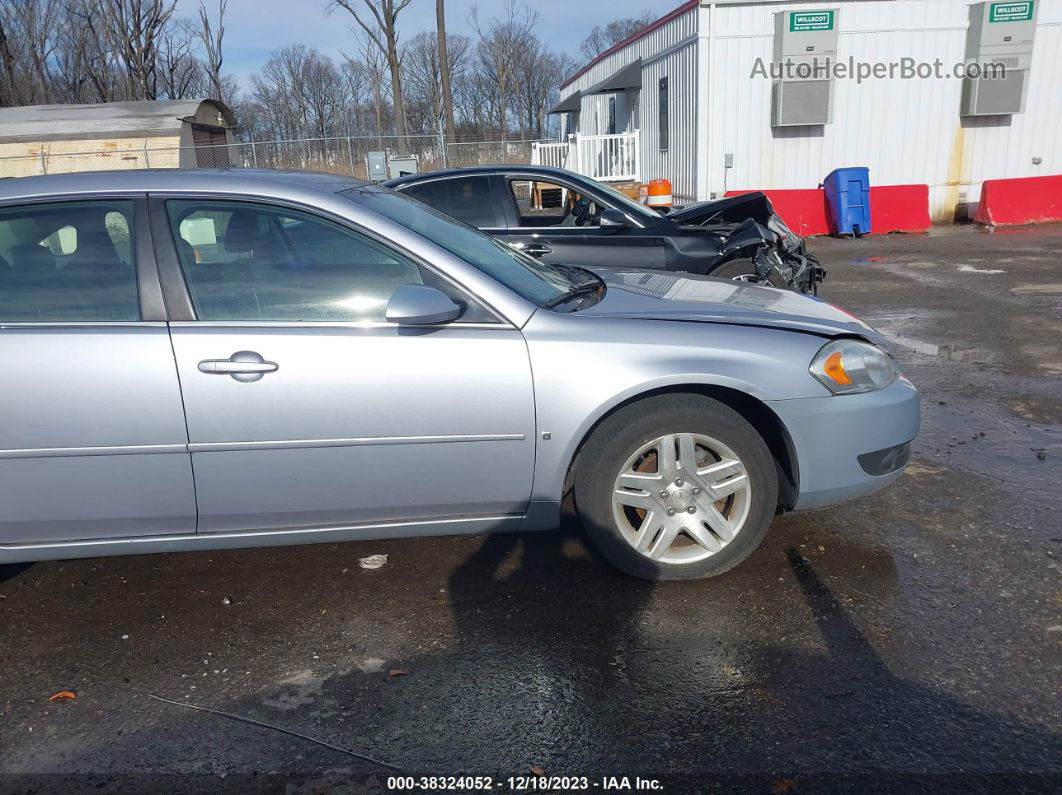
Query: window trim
x=178 y=294
x=150 y=300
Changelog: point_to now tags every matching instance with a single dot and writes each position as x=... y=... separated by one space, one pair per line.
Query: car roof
x=504 y=168
x=210 y=180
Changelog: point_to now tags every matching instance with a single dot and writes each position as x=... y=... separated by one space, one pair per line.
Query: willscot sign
x=804 y=21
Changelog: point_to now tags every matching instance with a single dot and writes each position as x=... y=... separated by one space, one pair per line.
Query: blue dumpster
x=848 y=197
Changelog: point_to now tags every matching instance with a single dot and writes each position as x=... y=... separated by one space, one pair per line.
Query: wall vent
x=805 y=45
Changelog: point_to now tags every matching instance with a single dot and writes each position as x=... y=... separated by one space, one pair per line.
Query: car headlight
x=849 y=366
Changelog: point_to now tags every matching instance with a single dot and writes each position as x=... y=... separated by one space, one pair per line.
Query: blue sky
x=256 y=27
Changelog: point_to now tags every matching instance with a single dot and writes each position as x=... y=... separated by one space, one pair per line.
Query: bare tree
x=376 y=75
x=180 y=73
x=88 y=67
x=9 y=88
x=424 y=77
x=501 y=40
x=36 y=22
x=444 y=69
x=600 y=39
x=132 y=29
x=383 y=32
x=538 y=73
x=213 y=39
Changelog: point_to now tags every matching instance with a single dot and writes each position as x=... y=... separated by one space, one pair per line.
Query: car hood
x=653 y=295
x=732 y=209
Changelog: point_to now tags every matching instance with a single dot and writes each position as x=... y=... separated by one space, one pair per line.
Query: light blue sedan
x=216 y=359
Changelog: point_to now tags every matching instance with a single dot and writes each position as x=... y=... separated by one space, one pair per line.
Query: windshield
x=522 y=274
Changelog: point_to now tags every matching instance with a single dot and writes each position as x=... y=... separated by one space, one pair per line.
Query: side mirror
x=417 y=305
x=611 y=217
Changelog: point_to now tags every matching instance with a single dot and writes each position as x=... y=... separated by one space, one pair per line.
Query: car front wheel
x=676 y=487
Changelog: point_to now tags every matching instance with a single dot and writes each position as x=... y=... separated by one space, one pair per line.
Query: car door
x=306 y=408
x=92 y=433
x=540 y=221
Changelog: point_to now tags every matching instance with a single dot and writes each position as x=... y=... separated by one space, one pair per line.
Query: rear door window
x=70 y=261
x=467 y=199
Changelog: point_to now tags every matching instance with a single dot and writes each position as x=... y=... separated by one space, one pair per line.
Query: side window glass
x=543 y=204
x=255 y=262
x=68 y=262
x=467 y=199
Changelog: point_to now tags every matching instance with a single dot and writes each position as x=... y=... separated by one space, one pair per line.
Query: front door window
x=544 y=204
x=247 y=261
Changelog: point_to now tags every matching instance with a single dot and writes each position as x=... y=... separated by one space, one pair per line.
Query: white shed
x=183 y=133
x=687 y=99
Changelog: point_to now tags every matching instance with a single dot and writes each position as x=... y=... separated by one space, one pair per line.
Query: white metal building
x=693 y=71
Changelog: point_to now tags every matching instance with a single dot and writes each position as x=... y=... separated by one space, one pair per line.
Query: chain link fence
x=343 y=155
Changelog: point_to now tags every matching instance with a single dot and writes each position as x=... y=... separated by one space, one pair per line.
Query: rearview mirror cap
x=614 y=218
x=417 y=305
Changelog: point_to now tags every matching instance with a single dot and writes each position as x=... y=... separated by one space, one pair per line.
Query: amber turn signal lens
x=834 y=368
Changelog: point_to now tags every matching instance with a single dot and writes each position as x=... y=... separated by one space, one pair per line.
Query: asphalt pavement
x=908 y=641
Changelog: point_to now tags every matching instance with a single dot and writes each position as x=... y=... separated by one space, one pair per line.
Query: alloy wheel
x=681 y=498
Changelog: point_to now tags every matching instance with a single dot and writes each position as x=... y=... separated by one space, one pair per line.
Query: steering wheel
x=581 y=211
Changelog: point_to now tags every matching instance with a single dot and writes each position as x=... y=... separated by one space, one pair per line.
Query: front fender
x=584 y=368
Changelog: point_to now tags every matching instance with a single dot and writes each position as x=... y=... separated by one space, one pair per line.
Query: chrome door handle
x=244 y=366
x=537 y=249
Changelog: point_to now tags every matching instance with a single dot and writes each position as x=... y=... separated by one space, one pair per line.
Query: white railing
x=554 y=155
x=604 y=157
x=608 y=157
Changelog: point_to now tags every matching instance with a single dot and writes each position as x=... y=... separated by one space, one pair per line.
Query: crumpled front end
x=751 y=229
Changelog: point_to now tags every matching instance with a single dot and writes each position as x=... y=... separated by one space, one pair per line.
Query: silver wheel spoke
x=719 y=523
x=700 y=534
x=646 y=532
x=664 y=541
x=666 y=461
x=723 y=478
x=644 y=501
x=687 y=453
x=639 y=480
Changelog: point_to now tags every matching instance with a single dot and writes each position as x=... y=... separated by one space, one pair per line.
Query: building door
x=211 y=146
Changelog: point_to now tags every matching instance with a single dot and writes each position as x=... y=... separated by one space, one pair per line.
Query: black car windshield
x=522 y=274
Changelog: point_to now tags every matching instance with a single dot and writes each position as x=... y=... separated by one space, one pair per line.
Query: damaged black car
x=565 y=218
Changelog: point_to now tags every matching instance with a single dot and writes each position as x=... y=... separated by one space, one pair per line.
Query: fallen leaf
x=781 y=785
x=537 y=771
x=397 y=672
x=62 y=695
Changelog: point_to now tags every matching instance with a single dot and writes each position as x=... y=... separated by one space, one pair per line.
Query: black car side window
x=467 y=199
x=541 y=204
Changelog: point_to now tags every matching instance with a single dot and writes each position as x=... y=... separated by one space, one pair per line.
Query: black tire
x=620 y=435
x=735 y=269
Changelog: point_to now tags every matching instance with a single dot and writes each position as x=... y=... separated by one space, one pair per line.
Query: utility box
x=400 y=166
x=376 y=166
x=1000 y=37
x=805 y=49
